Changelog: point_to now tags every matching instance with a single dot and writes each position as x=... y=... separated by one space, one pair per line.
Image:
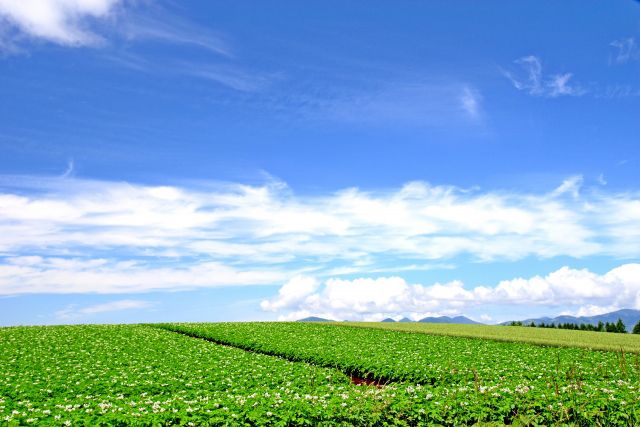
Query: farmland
x=139 y=375
x=544 y=336
x=298 y=374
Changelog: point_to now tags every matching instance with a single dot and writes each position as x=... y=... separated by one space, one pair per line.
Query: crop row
x=135 y=375
x=139 y=375
x=418 y=358
x=544 y=336
x=599 y=383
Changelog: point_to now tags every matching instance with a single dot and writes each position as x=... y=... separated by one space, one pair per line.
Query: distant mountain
x=446 y=319
x=629 y=317
x=314 y=319
x=405 y=320
x=388 y=320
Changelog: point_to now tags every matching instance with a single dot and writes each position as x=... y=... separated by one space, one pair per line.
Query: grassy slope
x=554 y=337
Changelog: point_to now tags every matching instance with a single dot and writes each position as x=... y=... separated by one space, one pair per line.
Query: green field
x=545 y=336
x=299 y=374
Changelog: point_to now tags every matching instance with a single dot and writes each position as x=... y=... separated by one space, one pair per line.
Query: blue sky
x=215 y=161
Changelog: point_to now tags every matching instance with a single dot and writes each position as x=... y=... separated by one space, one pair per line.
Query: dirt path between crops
x=364 y=381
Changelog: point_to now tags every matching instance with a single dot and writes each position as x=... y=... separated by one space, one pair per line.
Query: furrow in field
x=136 y=375
x=356 y=377
x=139 y=375
x=419 y=358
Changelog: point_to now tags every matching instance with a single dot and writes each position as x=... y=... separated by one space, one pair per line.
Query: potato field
x=303 y=374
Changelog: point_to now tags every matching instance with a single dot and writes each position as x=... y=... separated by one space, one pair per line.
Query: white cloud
x=535 y=83
x=229 y=76
x=558 y=85
x=169 y=28
x=69 y=172
x=165 y=237
x=571 y=186
x=591 y=310
x=291 y=293
x=33 y=274
x=84 y=22
x=72 y=312
x=470 y=100
x=375 y=299
x=59 y=21
x=88 y=22
x=626 y=50
x=617 y=91
x=405 y=102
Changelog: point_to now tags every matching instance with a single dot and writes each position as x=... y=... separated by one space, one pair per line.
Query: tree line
x=617 y=327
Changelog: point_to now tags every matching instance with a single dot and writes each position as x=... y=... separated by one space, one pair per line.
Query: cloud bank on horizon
x=368 y=299
x=71 y=236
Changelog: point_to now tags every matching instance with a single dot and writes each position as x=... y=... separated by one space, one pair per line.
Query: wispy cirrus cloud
x=570 y=186
x=91 y=22
x=225 y=74
x=162 y=26
x=531 y=79
x=74 y=312
x=471 y=102
x=67 y=235
x=626 y=49
x=190 y=50
x=617 y=91
x=86 y=275
x=122 y=28
x=401 y=103
x=373 y=299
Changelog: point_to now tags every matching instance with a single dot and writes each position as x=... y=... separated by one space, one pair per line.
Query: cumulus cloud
x=374 y=299
x=591 y=310
x=63 y=22
x=74 y=312
x=531 y=79
x=102 y=236
x=291 y=293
